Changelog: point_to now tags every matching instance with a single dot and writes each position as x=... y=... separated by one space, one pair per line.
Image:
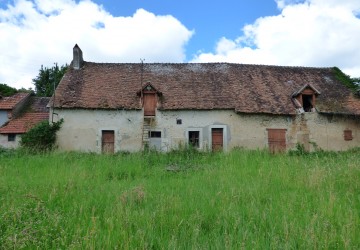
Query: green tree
x=6 y=90
x=48 y=78
x=42 y=137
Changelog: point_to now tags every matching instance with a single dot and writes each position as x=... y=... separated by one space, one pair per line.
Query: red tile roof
x=24 y=123
x=9 y=102
x=243 y=88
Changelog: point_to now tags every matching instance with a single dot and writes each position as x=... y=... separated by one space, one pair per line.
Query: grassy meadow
x=180 y=200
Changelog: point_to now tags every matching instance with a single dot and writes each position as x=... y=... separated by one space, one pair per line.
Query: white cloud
x=321 y=33
x=42 y=32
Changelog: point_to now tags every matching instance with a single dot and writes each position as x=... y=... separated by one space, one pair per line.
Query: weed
x=184 y=199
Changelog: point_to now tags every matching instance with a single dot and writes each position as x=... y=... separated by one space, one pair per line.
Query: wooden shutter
x=149 y=104
x=277 y=140
x=108 y=140
x=217 y=139
x=348 y=135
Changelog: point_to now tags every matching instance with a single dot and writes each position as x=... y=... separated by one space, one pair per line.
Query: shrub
x=42 y=137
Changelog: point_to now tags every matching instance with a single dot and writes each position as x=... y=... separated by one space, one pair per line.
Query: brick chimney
x=78 y=60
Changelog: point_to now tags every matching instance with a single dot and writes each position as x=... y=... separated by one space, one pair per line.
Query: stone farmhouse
x=19 y=113
x=112 y=107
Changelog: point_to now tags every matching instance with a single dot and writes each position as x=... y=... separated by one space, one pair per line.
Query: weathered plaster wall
x=326 y=131
x=239 y=130
x=81 y=129
x=3 y=117
x=9 y=144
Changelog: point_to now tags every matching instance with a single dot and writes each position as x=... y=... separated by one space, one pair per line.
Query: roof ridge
x=207 y=63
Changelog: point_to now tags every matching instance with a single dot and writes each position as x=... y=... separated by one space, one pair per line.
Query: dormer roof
x=306 y=86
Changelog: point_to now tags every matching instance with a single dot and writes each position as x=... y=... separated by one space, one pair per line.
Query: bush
x=42 y=137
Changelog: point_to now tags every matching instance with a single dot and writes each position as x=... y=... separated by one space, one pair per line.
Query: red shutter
x=108 y=141
x=217 y=139
x=277 y=140
x=149 y=104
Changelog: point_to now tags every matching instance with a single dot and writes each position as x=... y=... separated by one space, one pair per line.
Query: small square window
x=348 y=135
x=178 y=121
x=11 y=137
x=194 y=138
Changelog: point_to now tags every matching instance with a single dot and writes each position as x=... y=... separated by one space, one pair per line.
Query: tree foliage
x=42 y=137
x=352 y=83
x=48 y=78
x=6 y=90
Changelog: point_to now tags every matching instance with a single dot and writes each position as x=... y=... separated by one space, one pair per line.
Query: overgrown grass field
x=180 y=200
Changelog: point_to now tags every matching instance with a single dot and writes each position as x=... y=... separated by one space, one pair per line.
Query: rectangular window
x=11 y=137
x=194 y=137
x=307 y=101
x=348 y=135
x=154 y=134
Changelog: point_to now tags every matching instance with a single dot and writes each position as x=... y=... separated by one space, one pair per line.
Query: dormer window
x=308 y=101
x=149 y=95
x=305 y=98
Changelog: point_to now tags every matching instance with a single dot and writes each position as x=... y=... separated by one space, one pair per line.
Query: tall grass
x=180 y=200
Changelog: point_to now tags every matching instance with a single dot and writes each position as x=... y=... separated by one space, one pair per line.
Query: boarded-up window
x=277 y=140
x=107 y=141
x=217 y=139
x=149 y=104
x=194 y=138
x=348 y=135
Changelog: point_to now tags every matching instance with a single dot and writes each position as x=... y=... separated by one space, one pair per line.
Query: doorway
x=107 y=141
x=217 y=139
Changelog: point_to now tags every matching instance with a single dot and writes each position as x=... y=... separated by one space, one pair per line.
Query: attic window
x=307 y=101
x=305 y=98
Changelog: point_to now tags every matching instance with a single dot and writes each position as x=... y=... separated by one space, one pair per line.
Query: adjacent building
x=18 y=114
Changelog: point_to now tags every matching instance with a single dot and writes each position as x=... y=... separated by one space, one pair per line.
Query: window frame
x=194 y=138
x=200 y=131
x=155 y=134
x=310 y=94
x=11 y=137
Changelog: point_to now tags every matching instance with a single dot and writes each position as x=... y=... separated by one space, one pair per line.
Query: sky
x=312 y=33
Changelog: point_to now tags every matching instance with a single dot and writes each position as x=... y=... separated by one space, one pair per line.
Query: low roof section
x=203 y=86
x=9 y=102
x=35 y=113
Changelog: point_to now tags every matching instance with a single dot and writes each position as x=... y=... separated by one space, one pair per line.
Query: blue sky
x=313 y=33
x=210 y=20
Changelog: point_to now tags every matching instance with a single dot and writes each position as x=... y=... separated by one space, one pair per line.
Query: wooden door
x=149 y=104
x=277 y=140
x=217 y=139
x=108 y=140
